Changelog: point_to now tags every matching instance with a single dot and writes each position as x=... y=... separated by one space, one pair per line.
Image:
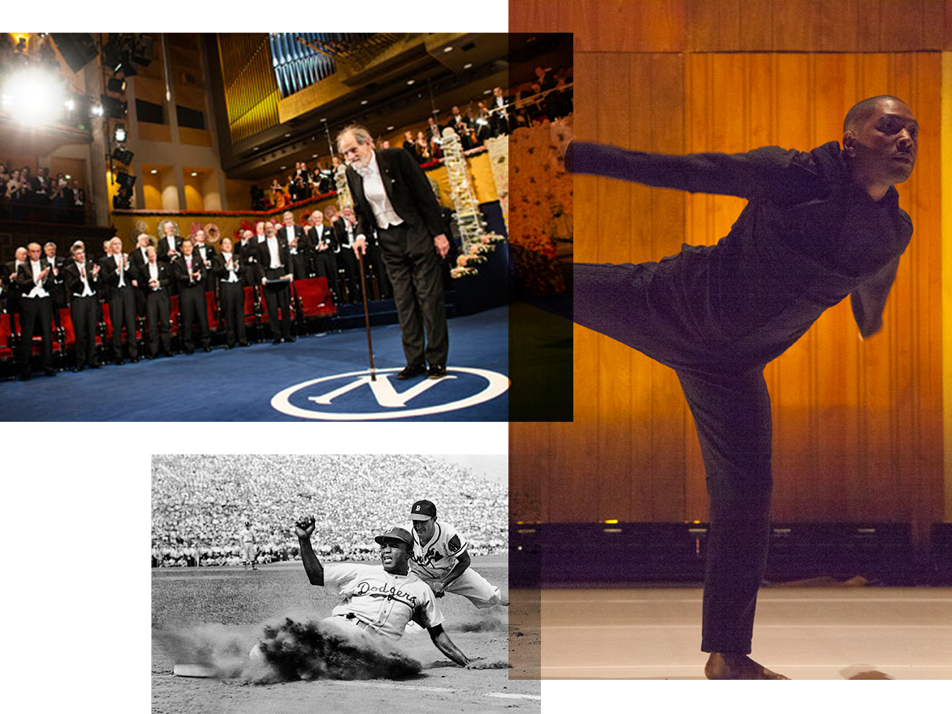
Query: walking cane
x=363 y=294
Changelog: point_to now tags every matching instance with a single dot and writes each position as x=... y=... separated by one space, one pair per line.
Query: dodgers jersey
x=384 y=601
x=437 y=557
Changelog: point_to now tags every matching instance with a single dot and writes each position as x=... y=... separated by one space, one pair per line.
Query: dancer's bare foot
x=736 y=666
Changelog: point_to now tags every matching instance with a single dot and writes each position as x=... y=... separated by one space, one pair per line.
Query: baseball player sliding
x=440 y=559
x=379 y=599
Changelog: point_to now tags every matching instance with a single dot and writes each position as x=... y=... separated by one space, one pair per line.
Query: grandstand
x=200 y=504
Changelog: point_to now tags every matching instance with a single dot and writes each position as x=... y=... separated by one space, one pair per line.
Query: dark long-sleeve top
x=808 y=237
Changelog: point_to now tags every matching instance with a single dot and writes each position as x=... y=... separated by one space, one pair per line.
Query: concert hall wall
x=858 y=426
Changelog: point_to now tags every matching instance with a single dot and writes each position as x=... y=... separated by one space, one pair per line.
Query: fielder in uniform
x=441 y=561
x=380 y=600
x=248 y=550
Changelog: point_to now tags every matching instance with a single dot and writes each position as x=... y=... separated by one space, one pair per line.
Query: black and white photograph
x=366 y=580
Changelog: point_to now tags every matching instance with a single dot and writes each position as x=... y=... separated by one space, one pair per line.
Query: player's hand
x=305 y=527
x=441 y=244
x=360 y=246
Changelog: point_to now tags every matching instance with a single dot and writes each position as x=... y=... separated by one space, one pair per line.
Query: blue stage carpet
x=322 y=377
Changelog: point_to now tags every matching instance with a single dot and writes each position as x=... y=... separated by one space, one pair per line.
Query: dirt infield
x=218 y=614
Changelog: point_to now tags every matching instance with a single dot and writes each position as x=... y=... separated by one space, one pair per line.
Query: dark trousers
x=122 y=313
x=375 y=259
x=83 y=311
x=233 y=310
x=157 y=310
x=194 y=312
x=277 y=296
x=325 y=266
x=36 y=317
x=347 y=261
x=417 y=279
x=731 y=410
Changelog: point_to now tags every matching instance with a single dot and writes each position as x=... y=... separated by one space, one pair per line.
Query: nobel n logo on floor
x=355 y=396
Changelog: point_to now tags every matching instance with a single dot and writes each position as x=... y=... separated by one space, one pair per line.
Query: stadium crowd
x=200 y=504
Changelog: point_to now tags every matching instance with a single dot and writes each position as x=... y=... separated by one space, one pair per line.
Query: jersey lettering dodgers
x=385 y=601
x=439 y=555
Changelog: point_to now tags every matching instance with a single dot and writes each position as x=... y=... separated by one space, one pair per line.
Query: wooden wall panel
x=858 y=425
x=741 y=25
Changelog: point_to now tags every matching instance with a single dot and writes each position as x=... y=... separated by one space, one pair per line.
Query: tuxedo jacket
x=220 y=269
x=25 y=277
x=109 y=275
x=163 y=248
x=182 y=277
x=322 y=234
x=74 y=283
x=299 y=231
x=137 y=260
x=264 y=257
x=145 y=275
x=407 y=189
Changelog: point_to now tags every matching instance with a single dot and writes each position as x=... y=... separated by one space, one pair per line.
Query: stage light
x=112 y=107
x=122 y=155
x=116 y=85
x=119 y=133
x=36 y=94
x=125 y=180
x=96 y=111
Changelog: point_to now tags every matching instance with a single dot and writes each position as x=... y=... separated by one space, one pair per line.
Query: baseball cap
x=395 y=534
x=422 y=510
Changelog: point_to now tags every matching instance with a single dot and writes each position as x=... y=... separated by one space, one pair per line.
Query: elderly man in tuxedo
x=391 y=194
x=155 y=278
x=275 y=273
x=34 y=278
x=120 y=282
x=189 y=271
x=82 y=284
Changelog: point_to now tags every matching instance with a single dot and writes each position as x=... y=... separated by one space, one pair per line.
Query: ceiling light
x=447 y=49
x=411 y=81
x=467 y=65
x=195 y=173
x=154 y=171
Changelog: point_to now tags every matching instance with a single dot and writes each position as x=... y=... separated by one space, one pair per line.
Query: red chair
x=313 y=299
x=213 y=312
x=66 y=336
x=7 y=352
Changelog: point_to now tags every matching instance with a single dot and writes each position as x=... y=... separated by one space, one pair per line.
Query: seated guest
x=155 y=278
x=227 y=267
x=118 y=280
x=82 y=284
x=189 y=272
x=275 y=271
x=36 y=309
x=410 y=145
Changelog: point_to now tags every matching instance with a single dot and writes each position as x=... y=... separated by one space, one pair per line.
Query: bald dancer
x=819 y=226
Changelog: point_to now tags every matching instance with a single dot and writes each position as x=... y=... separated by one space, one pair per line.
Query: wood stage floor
x=806 y=633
